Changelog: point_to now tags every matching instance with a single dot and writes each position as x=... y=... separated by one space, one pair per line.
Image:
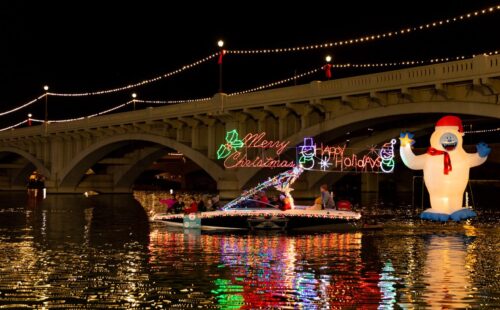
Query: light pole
x=29 y=119
x=46 y=89
x=134 y=95
x=220 y=43
x=328 y=67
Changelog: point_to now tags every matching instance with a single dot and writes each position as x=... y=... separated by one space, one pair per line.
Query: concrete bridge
x=119 y=147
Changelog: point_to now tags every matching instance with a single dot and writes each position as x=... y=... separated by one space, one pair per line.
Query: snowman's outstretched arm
x=412 y=161
x=476 y=159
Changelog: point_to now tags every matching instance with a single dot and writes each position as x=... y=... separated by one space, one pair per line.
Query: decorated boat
x=245 y=213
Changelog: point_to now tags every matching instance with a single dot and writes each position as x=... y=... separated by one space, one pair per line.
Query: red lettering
x=234 y=161
x=257 y=141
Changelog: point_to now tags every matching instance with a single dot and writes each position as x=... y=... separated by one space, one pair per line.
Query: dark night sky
x=77 y=46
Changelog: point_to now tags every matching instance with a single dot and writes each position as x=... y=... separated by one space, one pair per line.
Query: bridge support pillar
x=211 y=141
x=369 y=185
x=369 y=182
x=228 y=189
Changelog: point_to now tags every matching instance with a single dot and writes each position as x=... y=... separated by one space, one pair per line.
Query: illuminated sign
x=234 y=157
x=310 y=156
x=339 y=158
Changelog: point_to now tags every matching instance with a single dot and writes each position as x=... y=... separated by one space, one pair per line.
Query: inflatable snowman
x=446 y=169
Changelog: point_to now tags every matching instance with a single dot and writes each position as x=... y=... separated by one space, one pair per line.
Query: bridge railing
x=450 y=72
x=469 y=69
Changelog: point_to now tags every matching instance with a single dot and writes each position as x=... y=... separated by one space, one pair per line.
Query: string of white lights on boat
x=372 y=37
x=144 y=82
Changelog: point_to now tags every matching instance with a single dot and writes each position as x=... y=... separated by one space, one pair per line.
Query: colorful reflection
x=283 y=271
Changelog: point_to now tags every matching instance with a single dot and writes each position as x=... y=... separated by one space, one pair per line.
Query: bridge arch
x=33 y=163
x=358 y=116
x=72 y=174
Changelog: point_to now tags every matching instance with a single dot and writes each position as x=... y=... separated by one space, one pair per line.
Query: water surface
x=71 y=252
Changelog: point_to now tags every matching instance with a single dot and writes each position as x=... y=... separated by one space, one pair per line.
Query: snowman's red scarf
x=447 y=161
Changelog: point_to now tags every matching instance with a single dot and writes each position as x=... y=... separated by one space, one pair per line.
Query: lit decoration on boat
x=281 y=182
x=344 y=215
x=307 y=153
x=387 y=155
x=232 y=144
x=234 y=151
x=339 y=158
x=446 y=168
x=325 y=163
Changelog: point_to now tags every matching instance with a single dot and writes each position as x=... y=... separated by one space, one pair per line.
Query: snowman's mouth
x=449 y=146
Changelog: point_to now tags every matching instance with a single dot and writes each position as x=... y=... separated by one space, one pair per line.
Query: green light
x=233 y=144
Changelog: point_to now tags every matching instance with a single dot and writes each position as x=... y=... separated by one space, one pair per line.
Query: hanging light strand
x=280 y=82
x=22 y=106
x=130 y=86
x=482 y=130
x=372 y=37
x=14 y=126
x=91 y=115
x=171 y=101
x=262 y=87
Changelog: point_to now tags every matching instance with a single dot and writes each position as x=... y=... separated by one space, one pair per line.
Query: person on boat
x=216 y=205
x=277 y=202
x=317 y=204
x=201 y=204
x=286 y=203
x=178 y=205
x=169 y=203
x=264 y=201
x=326 y=198
x=208 y=203
x=191 y=206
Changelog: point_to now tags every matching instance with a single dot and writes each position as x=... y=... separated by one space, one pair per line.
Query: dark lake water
x=71 y=252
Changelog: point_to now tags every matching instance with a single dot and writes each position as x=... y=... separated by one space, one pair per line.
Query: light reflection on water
x=68 y=251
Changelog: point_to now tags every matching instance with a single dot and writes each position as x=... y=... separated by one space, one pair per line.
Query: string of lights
x=138 y=84
x=88 y=116
x=372 y=37
x=262 y=87
x=15 y=125
x=482 y=130
x=361 y=39
x=22 y=106
x=171 y=101
x=280 y=82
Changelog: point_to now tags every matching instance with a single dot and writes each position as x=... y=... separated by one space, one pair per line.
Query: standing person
x=326 y=199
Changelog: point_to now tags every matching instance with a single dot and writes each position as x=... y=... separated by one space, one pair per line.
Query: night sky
x=81 y=46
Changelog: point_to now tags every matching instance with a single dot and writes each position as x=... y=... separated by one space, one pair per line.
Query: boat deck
x=243 y=219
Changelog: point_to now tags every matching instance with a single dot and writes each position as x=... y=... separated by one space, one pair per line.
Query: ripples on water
x=70 y=252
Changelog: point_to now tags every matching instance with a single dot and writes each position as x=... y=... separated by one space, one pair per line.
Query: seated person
x=316 y=205
x=286 y=203
x=277 y=203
